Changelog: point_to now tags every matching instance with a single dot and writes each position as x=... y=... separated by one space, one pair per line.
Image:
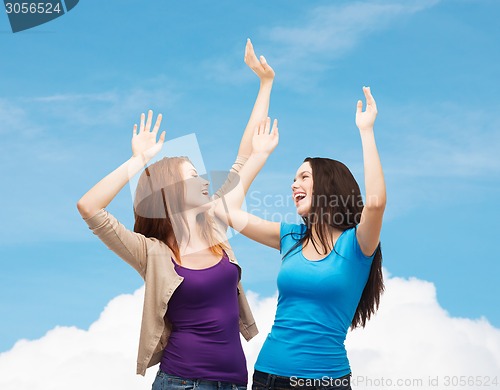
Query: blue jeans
x=164 y=381
x=265 y=381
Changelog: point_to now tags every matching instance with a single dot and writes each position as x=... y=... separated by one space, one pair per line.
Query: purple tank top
x=204 y=313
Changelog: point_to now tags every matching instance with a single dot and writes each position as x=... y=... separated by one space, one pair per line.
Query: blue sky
x=71 y=90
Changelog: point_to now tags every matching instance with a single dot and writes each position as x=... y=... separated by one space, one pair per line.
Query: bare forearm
x=259 y=112
x=104 y=191
x=374 y=175
x=247 y=174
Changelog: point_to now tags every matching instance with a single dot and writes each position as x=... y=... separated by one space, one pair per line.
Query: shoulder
x=157 y=251
x=349 y=247
x=158 y=245
x=287 y=229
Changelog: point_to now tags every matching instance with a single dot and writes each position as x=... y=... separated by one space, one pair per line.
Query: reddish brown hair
x=158 y=205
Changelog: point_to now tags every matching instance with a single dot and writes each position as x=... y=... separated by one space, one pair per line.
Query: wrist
x=266 y=83
x=139 y=160
x=363 y=130
x=259 y=155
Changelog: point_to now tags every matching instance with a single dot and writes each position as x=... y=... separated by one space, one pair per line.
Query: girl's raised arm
x=144 y=148
x=130 y=246
x=368 y=231
x=265 y=232
x=259 y=113
x=261 y=107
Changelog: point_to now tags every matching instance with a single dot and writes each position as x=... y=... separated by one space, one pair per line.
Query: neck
x=192 y=240
x=331 y=236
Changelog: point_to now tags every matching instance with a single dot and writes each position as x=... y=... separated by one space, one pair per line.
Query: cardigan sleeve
x=231 y=180
x=130 y=246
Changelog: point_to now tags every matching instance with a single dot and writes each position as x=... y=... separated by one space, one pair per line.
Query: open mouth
x=297 y=197
x=205 y=192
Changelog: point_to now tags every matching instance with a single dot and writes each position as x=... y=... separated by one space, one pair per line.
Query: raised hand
x=144 y=142
x=260 y=67
x=365 y=120
x=264 y=141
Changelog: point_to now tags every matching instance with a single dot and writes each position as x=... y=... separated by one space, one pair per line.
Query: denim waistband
x=194 y=382
x=276 y=381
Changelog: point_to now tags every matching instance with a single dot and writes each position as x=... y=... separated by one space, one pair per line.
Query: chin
x=303 y=213
x=205 y=206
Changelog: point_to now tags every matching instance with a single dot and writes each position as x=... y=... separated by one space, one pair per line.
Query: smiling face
x=302 y=189
x=196 y=188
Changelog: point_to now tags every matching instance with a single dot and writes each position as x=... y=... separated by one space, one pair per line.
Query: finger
x=134 y=131
x=249 y=52
x=268 y=125
x=274 y=131
x=157 y=124
x=372 y=99
x=262 y=126
x=246 y=48
x=162 y=138
x=256 y=130
x=262 y=129
x=359 y=107
x=142 y=122
x=368 y=95
x=263 y=62
x=149 y=120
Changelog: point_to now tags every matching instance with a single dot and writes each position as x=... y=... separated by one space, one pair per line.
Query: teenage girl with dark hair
x=331 y=271
x=194 y=305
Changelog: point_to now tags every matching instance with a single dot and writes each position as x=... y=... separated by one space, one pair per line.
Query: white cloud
x=102 y=357
x=303 y=50
x=100 y=97
x=305 y=47
x=104 y=108
x=15 y=122
x=334 y=28
x=413 y=337
x=410 y=338
x=446 y=154
x=50 y=140
x=445 y=140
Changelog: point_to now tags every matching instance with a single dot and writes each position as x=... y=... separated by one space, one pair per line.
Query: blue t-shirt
x=316 y=304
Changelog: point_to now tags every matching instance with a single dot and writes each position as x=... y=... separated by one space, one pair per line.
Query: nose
x=294 y=185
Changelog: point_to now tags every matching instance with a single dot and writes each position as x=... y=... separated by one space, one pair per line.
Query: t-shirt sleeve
x=355 y=246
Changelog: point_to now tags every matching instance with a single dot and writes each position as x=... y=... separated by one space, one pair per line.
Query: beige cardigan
x=152 y=259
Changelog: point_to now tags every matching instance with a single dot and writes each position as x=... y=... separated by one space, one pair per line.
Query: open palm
x=264 y=140
x=144 y=142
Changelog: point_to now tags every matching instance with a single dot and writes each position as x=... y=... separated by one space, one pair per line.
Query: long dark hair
x=158 y=205
x=337 y=203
